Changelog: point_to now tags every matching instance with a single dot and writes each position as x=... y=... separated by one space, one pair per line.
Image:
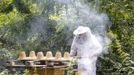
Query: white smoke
x=77 y=14
x=80 y=13
x=73 y=14
x=64 y=1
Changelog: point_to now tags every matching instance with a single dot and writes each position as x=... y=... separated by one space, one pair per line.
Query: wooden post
x=77 y=73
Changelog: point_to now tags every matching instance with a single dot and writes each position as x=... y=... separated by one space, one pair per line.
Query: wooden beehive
x=77 y=73
x=38 y=71
x=47 y=71
x=44 y=67
x=55 y=71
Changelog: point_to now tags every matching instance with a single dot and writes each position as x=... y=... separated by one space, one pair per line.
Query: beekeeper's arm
x=98 y=47
x=73 y=51
x=97 y=51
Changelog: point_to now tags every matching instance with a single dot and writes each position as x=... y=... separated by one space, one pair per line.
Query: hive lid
x=49 y=54
x=22 y=55
x=40 y=55
x=32 y=54
x=58 y=55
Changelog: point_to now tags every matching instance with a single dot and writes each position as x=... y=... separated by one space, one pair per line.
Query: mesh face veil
x=82 y=38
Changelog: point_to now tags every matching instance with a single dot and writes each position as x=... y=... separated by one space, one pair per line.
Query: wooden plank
x=24 y=66
x=29 y=59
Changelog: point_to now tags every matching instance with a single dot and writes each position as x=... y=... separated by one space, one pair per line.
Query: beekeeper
x=86 y=48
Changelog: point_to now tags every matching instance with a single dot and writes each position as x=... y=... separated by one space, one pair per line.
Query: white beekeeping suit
x=86 y=48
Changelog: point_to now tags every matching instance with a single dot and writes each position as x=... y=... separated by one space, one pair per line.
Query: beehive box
x=46 y=71
x=38 y=71
x=55 y=71
x=43 y=65
x=77 y=73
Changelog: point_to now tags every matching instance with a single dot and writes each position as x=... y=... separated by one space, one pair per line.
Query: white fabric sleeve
x=98 y=47
x=73 y=51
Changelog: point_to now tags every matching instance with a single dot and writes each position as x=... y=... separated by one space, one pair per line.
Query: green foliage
x=10 y=18
x=4 y=56
x=17 y=17
x=117 y=62
x=71 y=67
x=121 y=14
x=5 y=5
x=33 y=6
